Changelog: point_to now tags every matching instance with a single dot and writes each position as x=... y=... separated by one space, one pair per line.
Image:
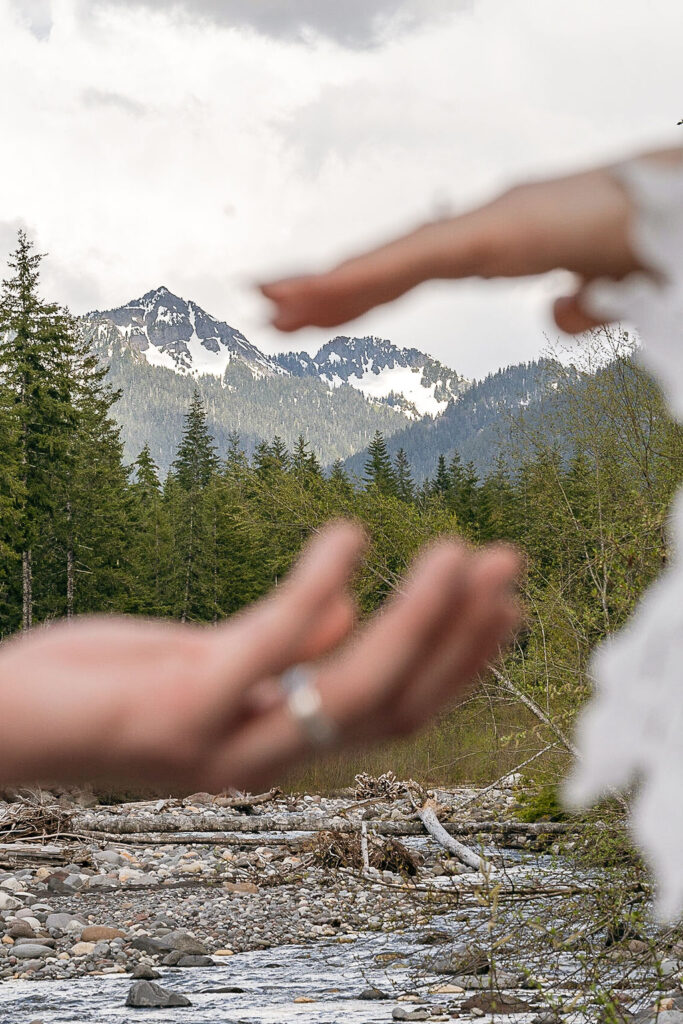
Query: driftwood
x=11 y=854
x=33 y=817
x=345 y=850
x=429 y=818
x=182 y=827
x=364 y=845
x=244 y=801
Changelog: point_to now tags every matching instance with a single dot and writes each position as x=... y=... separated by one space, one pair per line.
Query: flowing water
x=329 y=975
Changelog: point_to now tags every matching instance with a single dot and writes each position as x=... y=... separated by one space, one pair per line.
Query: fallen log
x=94 y=822
x=429 y=818
x=12 y=853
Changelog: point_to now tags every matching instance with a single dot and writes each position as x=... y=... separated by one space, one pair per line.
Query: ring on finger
x=305 y=705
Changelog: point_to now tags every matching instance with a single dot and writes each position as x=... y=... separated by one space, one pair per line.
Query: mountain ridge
x=177 y=334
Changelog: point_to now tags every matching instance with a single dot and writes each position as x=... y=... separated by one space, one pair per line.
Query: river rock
x=372 y=993
x=83 y=949
x=146 y=944
x=11 y=884
x=183 y=942
x=195 y=961
x=496 y=1003
x=148 y=994
x=59 y=922
x=99 y=933
x=400 y=1013
x=32 y=951
x=241 y=887
x=462 y=961
x=8 y=902
x=102 y=882
x=144 y=973
x=21 y=929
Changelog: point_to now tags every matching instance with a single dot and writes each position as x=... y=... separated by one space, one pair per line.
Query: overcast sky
x=203 y=144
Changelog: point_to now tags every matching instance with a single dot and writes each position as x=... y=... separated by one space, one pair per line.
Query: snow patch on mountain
x=401 y=380
x=406 y=379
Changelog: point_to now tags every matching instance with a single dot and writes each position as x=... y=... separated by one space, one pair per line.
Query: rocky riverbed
x=252 y=925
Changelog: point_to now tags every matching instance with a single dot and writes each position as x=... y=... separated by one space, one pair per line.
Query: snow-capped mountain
x=404 y=378
x=168 y=331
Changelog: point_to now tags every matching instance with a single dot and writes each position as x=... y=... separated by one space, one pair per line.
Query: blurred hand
x=579 y=223
x=123 y=699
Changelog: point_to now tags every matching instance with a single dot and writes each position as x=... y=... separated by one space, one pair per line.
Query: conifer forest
x=581 y=484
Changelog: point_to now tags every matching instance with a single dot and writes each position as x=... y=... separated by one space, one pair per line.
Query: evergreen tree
x=149 y=539
x=379 y=472
x=90 y=491
x=456 y=475
x=340 y=483
x=37 y=352
x=236 y=463
x=497 y=505
x=191 y=500
x=405 y=487
x=196 y=459
x=304 y=462
x=442 y=481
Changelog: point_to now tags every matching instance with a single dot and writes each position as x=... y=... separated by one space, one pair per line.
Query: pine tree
x=236 y=463
x=149 y=539
x=279 y=453
x=405 y=487
x=37 y=352
x=270 y=460
x=196 y=459
x=190 y=499
x=90 y=522
x=304 y=463
x=497 y=505
x=456 y=474
x=442 y=481
x=379 y=472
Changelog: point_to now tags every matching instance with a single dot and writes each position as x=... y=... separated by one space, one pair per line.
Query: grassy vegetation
x=474 y=743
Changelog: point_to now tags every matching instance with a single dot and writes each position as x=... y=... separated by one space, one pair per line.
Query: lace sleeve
x=632 y=730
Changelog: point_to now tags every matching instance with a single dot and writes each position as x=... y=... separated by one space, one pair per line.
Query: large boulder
x=148 y=994
x=462 y=961
x=32 y=951
x=182 y=942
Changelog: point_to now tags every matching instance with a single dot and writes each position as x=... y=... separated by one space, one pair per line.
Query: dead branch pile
x=343 y=850
x=33 y=816
x=385 y=786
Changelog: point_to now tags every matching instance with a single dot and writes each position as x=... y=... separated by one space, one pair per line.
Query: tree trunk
x=428 y=817
x=69 y=568
x=27 y=590
x=188 y=570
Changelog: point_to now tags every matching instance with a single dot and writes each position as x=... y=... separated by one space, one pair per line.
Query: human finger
x=271 y=635
x=571 y=316
x=482 y=625
x=355 y=684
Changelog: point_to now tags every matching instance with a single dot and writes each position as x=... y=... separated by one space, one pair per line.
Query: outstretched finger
x=473 y=637
x=571 y=315
x=305 y=616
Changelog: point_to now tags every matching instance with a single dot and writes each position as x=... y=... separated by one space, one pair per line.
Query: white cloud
x=201 y=155
x=356 y=23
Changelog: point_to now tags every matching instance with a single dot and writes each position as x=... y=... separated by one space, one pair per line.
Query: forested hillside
x=478 y=423
x=154 y=401
x=583 y=487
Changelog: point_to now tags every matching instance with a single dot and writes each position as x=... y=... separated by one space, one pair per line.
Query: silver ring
x=305 y=705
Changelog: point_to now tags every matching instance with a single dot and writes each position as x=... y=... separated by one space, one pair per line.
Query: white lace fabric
x=632 y=729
